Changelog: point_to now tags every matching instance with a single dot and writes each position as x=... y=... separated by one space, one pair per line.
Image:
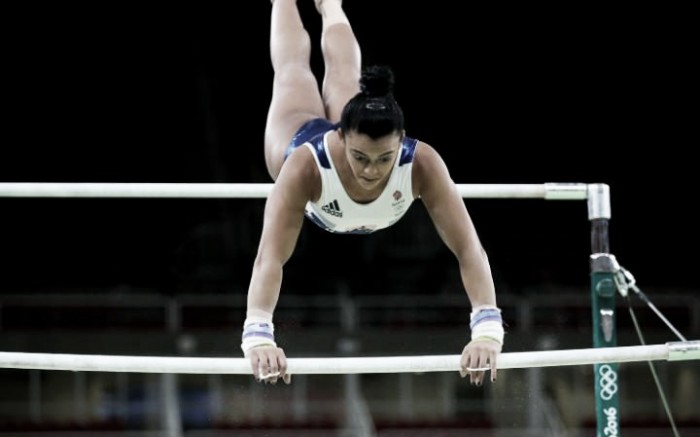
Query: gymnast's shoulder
x=429 y=169
x=299 y=173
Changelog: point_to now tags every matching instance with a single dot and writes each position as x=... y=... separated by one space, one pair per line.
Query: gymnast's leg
x=342 y=58
x=296 y=98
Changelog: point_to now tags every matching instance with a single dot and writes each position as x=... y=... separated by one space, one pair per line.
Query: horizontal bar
x=684 y=350
x=133 y=190
x=549 y=191
x=338 y=365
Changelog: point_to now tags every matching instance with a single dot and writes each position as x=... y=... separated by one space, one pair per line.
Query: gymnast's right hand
x=268 y=364
x=267 y=361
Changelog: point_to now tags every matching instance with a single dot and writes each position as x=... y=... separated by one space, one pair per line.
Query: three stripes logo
x=332 y=208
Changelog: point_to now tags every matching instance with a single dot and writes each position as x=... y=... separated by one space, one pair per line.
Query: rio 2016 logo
x=608 y=389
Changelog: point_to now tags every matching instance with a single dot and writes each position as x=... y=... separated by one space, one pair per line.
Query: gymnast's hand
x=268 y=363
x=477 y=357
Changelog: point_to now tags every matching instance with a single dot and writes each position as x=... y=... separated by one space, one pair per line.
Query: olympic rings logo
x=608 y=382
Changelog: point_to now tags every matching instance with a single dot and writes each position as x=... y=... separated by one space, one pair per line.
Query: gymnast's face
x=371 y=161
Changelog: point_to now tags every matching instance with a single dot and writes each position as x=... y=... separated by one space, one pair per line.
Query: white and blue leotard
x=335 y=211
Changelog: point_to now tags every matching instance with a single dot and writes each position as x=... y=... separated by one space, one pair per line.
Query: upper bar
x=548 y=191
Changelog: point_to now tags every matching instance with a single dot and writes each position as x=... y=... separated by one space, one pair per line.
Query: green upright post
x=603 y=293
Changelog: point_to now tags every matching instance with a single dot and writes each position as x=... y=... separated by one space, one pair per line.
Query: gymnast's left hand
x=478 y=357
x=268 y=364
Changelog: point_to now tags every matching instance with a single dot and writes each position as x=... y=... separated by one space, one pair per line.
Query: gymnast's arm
x=437 y=190
x=282 y=222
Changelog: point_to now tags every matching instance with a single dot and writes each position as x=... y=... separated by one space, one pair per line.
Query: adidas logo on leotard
x=333 y=209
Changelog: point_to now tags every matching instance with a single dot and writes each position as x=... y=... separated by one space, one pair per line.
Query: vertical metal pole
x=171 y=419
x=603 y=293
x=171 y=416
x=123 y=396
x=535 y=402
x=300 y=397
x=358 y=419
x=448 y=395
x=35 y=395
x=216 y=397
x=406 y=398
x=80 y=397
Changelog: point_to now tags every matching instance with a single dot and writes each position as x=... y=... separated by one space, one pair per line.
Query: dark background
x=506 y=96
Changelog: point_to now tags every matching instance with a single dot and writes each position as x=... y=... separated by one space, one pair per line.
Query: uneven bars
x=673 y=351
x=550 y=191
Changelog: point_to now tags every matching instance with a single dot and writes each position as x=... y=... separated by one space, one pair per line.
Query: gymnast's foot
x=320 y=2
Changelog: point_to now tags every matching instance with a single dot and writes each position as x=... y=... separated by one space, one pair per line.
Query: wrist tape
x=486 y=323
x=258 y=330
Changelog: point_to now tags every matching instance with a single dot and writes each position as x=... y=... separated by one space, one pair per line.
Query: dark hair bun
x=377 y=81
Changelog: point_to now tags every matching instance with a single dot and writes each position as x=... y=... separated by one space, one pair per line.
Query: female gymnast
x=339 y=156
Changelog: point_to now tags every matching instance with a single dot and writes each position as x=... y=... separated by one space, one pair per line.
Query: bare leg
x=295 y=91
x=342 y=58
